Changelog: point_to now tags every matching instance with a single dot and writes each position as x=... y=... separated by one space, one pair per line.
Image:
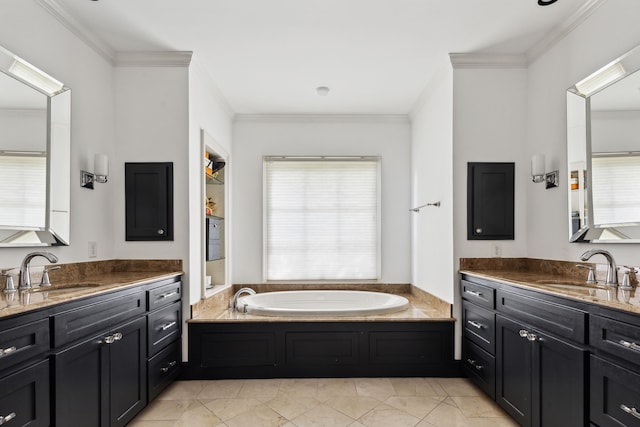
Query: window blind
x=615 y=189
x=321 y=219
x=23 y=184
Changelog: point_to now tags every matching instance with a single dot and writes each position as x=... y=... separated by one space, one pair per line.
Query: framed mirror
x=35 y=142
x=603 y=153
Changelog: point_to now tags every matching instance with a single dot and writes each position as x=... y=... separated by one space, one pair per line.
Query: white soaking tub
x=322 y=303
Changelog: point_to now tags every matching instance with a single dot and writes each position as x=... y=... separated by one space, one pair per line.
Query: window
x=616 y=185
x=321 y=218
x=23 y=183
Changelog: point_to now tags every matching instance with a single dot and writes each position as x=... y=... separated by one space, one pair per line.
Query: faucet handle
x=10 y=286
x=45 y=275
x=591 y=277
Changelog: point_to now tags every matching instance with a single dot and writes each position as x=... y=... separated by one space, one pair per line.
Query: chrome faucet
x=25 y=273
x=612 y=269
x=239 y=293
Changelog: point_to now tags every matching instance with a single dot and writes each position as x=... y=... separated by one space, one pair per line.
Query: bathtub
x=322 y=303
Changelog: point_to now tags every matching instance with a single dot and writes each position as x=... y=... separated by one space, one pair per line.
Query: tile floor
x=353 y=402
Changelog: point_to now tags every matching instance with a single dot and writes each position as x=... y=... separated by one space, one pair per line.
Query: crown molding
x=487 y=60
x=322 y=118
x=78 y=29
x=560 y=31
x=153 y=59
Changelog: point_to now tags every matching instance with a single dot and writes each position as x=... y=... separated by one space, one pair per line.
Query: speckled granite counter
x=537 y=274
x=80 y=280
x=423 y=306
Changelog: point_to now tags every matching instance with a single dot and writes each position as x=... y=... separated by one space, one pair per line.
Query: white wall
x=432 y=181
x=255 y=137
x=608 y=33
x=32 y=33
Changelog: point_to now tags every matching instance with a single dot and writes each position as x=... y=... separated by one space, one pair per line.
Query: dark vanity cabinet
x=95 y=361
x=528 y=354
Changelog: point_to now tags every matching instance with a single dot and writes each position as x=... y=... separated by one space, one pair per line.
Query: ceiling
x=268 y=57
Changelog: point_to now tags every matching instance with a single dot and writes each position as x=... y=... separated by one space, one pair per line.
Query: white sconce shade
x=537 y=167
x=101 y=167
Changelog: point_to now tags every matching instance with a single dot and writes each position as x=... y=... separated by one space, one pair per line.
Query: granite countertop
x=73 y=283
x=537 y=275
x=423 y=307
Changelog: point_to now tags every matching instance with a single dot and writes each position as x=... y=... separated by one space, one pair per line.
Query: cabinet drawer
x=163 y=295
x=479 y=325
x=163 y=368
x=478 y=294
x=93 y=318
x=554 y=318
x=163 y=327
x=480 y=367
x=617 y=338
x=23 y=342
x=615 y=395
x=24 y=397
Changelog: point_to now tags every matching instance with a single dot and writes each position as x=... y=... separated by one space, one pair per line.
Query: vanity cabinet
x=528 y=354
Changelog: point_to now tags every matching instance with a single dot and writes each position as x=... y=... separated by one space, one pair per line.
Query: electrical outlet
x=93 y=249
x=496 y=250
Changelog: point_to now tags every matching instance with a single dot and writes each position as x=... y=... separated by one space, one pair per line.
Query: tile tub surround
x=423 y=306
x=106 y=275
x=354 y=402
x=532 y=274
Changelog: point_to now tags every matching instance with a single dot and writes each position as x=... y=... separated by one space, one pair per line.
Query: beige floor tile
x=418 y=406
x=434 y=387
x=259 y=416
x=221 y=388
x=182 y=390
x=445 y=416
x=353 y=406
x=385 y=416
x=164 y=410
x=380 y=388
x=333 y=387
x=140 y=423
x=357 y=424
x=459 y=387
x=478 y=406
x=306 y=387
x=322 y=416
x=450 y=401
x=260 y=388
x=225 y=409
x=290 y=406
x=406 y=386
x=491 y=422
x=198 y=415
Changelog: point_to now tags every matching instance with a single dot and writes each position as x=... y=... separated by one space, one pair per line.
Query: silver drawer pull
x=474 y=364
x=533 y=337
x=631 y=345
x=109 y=339
x=630 y=411
x=169 y=366
x=4 y=352
x=170 y=294
x=476 y=324
x=7 y=418
x=523 y=333
x=117 y=336
x=167 y=326
x=474 y=293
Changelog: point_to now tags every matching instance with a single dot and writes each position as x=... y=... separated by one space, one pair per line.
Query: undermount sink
x=68 y=287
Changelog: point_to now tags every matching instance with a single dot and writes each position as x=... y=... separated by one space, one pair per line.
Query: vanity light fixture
x=538 y=174
x=600 y=79
x=101 y=171
x=35 y=77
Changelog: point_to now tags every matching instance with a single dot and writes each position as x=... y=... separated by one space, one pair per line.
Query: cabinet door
x=559 y=382
x=128 y=371
x=513 y=370
x=81 y=384
x=490 y=196
x=24 y=397
x=149 y=201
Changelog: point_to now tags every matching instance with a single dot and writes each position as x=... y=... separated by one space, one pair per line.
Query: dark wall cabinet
x=490 y=201
x=110 y=355
x=149 y=201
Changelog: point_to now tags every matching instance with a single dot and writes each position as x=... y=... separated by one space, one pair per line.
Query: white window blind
x=321 y=219
x=23 y=183
x=616 y=189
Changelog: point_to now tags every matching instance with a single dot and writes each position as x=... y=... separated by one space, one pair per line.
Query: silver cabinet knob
x=478 y=230
x=160 y=231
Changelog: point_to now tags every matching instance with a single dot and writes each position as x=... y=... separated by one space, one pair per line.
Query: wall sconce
x=101 y=171
x=538 y=174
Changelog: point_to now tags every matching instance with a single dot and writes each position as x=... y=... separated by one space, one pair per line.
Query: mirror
x=603 y=153
x=35 y=142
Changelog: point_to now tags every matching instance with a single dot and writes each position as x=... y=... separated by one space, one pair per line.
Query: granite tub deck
x=538 y=274
x=423 y=306
x=80 y=280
